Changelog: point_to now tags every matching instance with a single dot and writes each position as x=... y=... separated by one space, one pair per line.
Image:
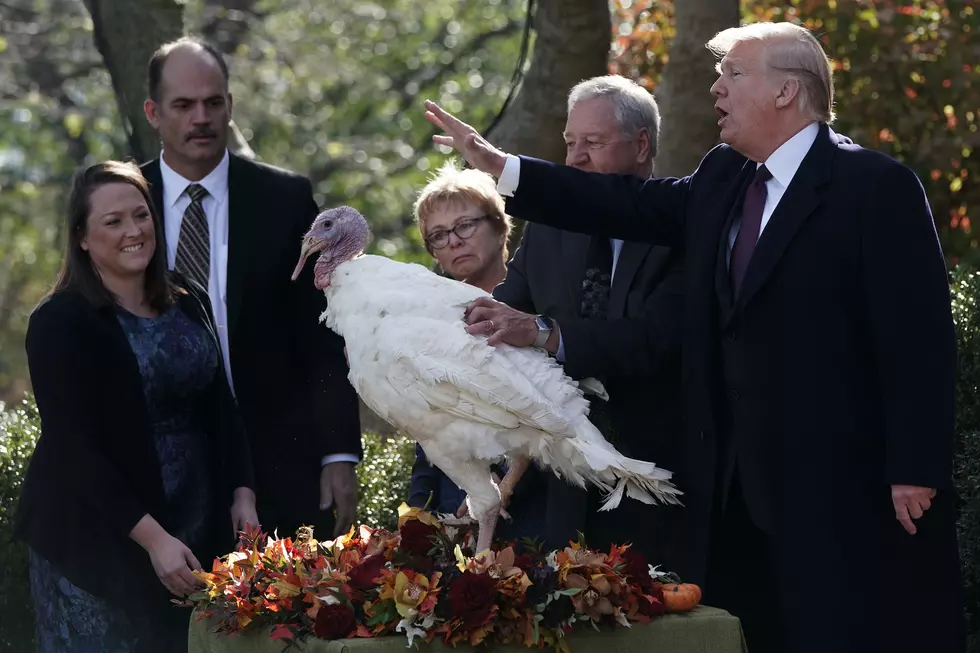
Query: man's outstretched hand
x=477 y=151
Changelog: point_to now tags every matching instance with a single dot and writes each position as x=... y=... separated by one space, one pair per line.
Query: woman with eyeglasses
x=462 y=222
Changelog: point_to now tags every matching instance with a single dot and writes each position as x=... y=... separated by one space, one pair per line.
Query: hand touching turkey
x=467 y=403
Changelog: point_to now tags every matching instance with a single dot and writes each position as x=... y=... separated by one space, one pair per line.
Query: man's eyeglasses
x=463 y=230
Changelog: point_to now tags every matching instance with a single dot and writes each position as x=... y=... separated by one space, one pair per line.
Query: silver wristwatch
x=545 y=326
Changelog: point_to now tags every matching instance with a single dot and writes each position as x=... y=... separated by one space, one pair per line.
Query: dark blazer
x=288 y=370
x=830 y=377
x=95 y=473
x=635 y=352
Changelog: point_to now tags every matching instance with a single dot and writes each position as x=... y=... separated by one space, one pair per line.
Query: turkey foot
x=515 y=470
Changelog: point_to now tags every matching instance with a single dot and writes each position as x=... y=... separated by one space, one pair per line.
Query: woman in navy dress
x=142 y=457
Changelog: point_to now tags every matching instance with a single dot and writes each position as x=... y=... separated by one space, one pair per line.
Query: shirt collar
x=786 y=160
x=174 y=185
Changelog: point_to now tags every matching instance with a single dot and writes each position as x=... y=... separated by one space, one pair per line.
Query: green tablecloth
x=704 y=630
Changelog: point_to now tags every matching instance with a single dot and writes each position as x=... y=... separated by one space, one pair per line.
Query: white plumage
x=467 y=403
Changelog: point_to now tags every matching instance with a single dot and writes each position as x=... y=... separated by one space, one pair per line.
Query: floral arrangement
x=420 y=581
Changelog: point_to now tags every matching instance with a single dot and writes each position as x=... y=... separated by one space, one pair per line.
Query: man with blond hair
x=611 y=310
x=819 y=357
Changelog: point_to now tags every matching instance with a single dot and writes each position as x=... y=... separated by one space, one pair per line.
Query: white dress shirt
x=783 y=164
x=175 y=202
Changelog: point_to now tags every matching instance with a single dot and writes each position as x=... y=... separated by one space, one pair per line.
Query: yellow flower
x=405 y=513
x=410 y=593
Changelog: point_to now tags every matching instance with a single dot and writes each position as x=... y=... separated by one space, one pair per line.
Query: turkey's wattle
x=468 y=404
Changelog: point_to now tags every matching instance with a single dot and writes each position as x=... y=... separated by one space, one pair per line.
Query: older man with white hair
x=819 y=354
x=611 y=310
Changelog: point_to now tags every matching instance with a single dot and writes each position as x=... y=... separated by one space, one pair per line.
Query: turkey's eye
x=328 y=224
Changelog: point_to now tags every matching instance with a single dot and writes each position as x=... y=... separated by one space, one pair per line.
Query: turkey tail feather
x=615 y=474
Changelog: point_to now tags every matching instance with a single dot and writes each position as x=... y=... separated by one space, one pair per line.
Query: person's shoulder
x=62 y=310
x=151 y=167
x=541 y=233
x=721 y=159
x=855 y=159
x=269 y=173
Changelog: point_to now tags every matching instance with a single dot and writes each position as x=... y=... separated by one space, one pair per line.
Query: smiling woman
x=137 y=426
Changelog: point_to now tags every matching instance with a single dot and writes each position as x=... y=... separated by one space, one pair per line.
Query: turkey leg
x=487 y=524
x=515 y=470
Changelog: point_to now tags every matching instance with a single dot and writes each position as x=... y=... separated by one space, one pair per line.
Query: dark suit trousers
x=741 y=575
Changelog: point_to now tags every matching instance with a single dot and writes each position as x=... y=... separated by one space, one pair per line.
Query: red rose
x=638 y=570
x=415 y=537
x=524 y=562
x=334 y=621
x=471 y=598
x=362 y=576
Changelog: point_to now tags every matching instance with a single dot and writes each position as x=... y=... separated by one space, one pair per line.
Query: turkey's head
x=339 y=235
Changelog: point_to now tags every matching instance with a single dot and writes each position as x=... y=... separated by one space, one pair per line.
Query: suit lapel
x=796 y=205
x=574 y=251
x=631 y=256
x=733 y=200
x=242 y=204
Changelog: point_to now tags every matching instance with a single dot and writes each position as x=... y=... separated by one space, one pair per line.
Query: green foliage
x=966 y=315
x=383 y=478
x=335 y=90
x=19 y=431
x=332 y=90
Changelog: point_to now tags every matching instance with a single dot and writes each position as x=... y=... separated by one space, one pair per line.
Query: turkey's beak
x=304 y=253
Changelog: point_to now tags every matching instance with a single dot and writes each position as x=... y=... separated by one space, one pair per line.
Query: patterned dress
x=177 y=361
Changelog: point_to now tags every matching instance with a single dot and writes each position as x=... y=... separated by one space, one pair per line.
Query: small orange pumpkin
x=681 y=597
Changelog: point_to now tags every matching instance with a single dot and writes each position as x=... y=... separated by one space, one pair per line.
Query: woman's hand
x=172 y=560
x=243 y=511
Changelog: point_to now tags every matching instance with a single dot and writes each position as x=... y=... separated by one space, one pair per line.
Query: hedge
x=384 y=476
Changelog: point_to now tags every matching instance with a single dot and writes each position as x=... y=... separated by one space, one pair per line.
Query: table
x=703 y=630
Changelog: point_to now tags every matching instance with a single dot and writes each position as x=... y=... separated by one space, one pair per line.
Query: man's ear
x=643 y=145
x=789 y=90
x=151 y=109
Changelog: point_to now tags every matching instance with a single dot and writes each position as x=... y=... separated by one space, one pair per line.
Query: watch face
x=544 y=323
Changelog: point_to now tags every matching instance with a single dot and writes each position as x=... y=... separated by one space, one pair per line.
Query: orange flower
x=593 y=601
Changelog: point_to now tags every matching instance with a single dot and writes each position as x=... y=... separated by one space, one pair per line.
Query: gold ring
x=493 y=327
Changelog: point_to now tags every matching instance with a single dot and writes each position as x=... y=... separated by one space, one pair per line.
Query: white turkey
x=467 y=403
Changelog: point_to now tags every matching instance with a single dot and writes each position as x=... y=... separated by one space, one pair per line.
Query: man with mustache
x=236 y=226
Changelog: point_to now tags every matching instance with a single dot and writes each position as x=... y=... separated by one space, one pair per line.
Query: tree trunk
x=689 y=126
x=572 y=44
x=126 y=35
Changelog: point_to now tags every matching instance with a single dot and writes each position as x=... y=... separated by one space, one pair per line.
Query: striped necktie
x=194 y=243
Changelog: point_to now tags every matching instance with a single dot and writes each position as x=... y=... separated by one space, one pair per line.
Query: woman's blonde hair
x=452 y=184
